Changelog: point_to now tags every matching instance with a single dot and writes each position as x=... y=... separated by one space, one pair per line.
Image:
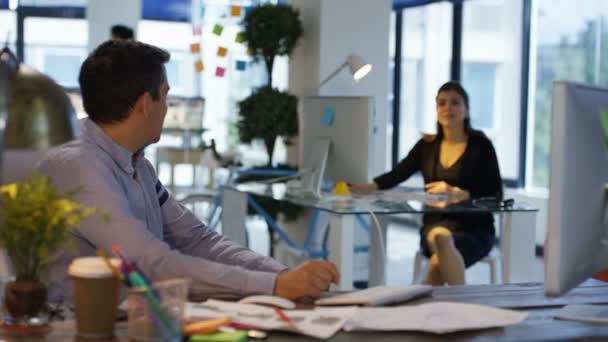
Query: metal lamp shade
x=358 y=67
x=39 y=114
x=35 y=114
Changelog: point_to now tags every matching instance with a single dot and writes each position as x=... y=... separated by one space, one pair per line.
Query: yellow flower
x=10 y=189
x=37 y=222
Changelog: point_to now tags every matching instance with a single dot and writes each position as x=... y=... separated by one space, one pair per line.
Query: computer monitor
x=348 y=124
x=576 y=245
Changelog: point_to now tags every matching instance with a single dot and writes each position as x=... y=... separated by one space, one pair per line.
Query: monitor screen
x=576 y=246
x=347 y=122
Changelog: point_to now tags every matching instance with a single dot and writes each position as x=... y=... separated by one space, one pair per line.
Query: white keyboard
x=379 y=295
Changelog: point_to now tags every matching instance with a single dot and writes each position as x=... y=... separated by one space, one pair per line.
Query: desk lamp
x=35 y=114
x=358 y=69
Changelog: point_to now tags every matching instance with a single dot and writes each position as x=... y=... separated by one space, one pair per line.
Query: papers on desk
x=322 y=323
x=436 y=317
x=584 y=313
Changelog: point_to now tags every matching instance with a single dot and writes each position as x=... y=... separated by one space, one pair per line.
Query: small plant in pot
x=35 y=220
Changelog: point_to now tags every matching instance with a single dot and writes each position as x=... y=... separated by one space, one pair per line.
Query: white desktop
x=576 y=246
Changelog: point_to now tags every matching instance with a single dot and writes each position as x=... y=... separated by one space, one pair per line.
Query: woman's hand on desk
x=363 y=188
x=309 y=279
x=455 y=194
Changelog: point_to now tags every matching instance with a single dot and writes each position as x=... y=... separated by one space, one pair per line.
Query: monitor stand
x=311 y=175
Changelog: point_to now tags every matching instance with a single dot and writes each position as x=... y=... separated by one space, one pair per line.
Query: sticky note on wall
x=195 y=48
x=217 y=29
x=199 y=66
x=235 y=11
x=328 y=116
x=241 y=65
x=239 y=38
x=221 y=51
x=196 y=30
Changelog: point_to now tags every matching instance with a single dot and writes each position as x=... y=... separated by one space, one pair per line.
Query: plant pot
x=24 y=299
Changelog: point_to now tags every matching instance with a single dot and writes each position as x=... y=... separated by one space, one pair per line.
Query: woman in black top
x=460 y=162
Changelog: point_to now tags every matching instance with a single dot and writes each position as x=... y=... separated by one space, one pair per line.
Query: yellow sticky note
x=199 y=66
x=249 y=51
x=221 y=51
x=195 y=47
x=235 y=11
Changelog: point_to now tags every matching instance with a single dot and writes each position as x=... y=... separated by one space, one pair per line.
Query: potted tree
x=268 y=113
x=35 y=220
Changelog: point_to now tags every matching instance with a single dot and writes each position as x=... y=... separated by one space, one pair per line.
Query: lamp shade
x=35 y=114
x=39 y=113
x=358 y=67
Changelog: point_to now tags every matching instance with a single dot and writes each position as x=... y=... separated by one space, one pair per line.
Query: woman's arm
x=402 y=171
x=488 y=182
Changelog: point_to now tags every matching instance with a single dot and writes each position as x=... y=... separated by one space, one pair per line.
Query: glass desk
x=517 y=224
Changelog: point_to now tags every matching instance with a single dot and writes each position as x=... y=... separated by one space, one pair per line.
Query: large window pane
x=425 y=65
x=174 y=37
x=491 y=73
x=56 y=47
x=571 y=44
x=8 y=28
x=221 y=93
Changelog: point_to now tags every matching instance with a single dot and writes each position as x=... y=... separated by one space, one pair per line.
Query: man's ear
x=142 y=104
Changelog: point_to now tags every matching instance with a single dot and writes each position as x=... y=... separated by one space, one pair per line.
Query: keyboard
x=379 y=295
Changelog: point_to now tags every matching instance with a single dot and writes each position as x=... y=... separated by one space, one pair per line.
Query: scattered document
x=584 y=313
x=320 y=323
x=437 y=317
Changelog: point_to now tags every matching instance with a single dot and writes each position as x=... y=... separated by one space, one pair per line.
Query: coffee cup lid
x=92 y=267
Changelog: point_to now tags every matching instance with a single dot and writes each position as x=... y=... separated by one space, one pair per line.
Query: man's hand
x=309 y=279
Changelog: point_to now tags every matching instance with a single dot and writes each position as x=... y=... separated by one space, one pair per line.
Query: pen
x=283 y=317
x=105 y=258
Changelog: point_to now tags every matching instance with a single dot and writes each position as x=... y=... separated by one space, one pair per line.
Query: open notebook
x=379 y=295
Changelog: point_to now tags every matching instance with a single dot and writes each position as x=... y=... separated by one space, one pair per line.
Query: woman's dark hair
x=116 y=74
x=455 y=87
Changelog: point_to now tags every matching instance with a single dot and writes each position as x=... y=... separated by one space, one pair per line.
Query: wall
x=333 y=29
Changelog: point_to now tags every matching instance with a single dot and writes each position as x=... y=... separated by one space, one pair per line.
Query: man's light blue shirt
x=163 y=237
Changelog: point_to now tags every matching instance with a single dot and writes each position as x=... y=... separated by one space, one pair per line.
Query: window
x=175 y=37
x=221 y=93
x=8 y=28
x=571 y=43
x=56 y=47
x=491 y=74
x=425 y=65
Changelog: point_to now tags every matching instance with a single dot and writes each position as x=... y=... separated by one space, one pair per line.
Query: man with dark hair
x=121 y=32
x=124 y=90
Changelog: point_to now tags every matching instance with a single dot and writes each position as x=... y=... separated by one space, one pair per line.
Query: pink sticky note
x=219 y=71
x=196 y=30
